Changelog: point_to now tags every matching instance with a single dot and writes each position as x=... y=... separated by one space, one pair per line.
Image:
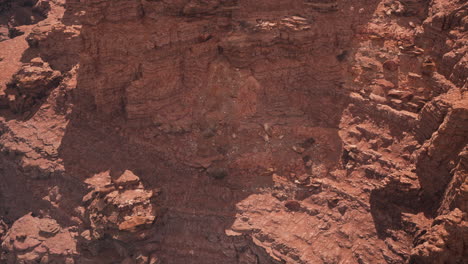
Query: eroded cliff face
x=233 y=131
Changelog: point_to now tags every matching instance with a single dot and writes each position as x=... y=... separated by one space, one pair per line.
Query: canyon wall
x=233 y=131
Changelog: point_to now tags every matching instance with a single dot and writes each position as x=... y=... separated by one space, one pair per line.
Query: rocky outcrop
x=59 y=45
x=38 y=240
x=15 y=13
x=434 y=165
x=115 y=207
x=30 y=85
x=447 y=22
x=444 y=241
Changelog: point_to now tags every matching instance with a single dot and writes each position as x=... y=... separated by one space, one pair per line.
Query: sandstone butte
x=233 y=131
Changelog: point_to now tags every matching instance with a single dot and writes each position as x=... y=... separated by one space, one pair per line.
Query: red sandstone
x=233 y=131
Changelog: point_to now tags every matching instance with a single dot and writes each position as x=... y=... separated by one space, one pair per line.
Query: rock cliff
x=233 y=131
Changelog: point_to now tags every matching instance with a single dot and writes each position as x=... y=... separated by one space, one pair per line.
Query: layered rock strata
x=233 y=131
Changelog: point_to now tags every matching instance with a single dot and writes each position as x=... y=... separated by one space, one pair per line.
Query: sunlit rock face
x=233 y=131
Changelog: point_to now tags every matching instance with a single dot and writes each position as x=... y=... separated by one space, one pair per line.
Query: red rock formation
x=233 y=131
x=32 y=239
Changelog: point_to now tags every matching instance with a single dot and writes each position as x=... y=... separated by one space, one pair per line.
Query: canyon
x=233 y=131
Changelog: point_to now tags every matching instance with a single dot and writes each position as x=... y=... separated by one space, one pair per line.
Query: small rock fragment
x=127 y=178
